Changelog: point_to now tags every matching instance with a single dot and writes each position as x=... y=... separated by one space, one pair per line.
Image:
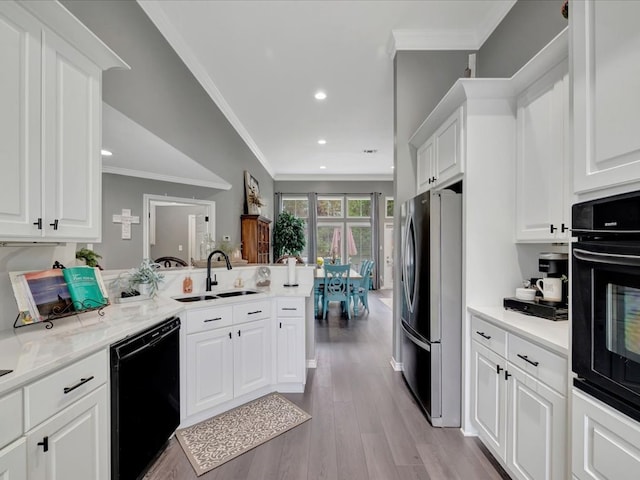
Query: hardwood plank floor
x=365 y=426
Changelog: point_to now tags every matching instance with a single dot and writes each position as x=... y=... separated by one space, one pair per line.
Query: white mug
x=551 y=288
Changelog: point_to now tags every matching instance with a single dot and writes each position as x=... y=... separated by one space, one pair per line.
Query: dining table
x=318 y=284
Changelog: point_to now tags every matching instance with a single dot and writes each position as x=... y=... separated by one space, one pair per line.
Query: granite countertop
x=33 y=351
x=553 y=335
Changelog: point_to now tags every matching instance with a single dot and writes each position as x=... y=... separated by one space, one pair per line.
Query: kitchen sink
x=235 y=293
x=196 y=298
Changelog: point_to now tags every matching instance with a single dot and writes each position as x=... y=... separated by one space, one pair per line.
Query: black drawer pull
x=499 y=369
x=79 y=384
x=289 y=308
x=526 y=359
x=212 y=319
x=38 y=223
x=253 y=313
x=483 y=335
x=507 y=375
x=54 y=224
x=230 y=335
x=238 y=332
x=45 y=444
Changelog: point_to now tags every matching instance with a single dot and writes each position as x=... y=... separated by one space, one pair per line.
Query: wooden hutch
x=255 y=238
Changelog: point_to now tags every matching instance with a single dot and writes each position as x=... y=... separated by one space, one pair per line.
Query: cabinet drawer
x=251 y=311
x=10 y=417
x=208 y=318
x=51 y=394
x=290 y=307
x=538 y=362
x=487 y=334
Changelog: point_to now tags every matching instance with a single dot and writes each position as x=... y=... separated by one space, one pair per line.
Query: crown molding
x=156 y=14
x=165 y=178
x=314 y=177
x=412 y=40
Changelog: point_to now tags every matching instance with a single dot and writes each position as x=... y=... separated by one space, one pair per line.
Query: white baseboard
x=397 y=366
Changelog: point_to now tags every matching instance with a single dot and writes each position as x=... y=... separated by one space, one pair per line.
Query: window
x=388 y=207
x=298 y=205
x=330 y=207
x=359 y=207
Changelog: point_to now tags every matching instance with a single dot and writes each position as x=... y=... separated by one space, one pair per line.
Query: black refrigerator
x=432 y=304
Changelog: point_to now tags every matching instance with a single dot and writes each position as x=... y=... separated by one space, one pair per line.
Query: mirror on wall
x=176 y=227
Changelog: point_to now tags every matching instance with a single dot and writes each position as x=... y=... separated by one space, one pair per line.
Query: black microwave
x=605 y=300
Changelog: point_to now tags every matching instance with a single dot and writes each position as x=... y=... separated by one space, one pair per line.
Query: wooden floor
x=365 y=425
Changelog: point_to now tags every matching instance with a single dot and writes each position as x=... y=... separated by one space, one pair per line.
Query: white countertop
x=33 y=350
x=553 y=335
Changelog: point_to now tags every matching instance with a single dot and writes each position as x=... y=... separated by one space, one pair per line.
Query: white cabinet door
x=290 y=344
x=251 y=357
x=426 y=165
x=606 y=444
x=542 y=212
x=606 y=68
x=74 y=444
x=489 y=397
x=537 y=429
x=448 y=145
x=13 y=461
x=209 y=369
x=20 y=205
x=72 y=132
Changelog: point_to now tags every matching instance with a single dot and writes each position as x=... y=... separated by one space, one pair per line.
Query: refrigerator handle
x=420 y=343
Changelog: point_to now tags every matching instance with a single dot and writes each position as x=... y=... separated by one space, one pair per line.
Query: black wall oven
x=606 y=300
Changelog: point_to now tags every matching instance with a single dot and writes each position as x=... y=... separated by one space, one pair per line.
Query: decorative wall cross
x=126 y=220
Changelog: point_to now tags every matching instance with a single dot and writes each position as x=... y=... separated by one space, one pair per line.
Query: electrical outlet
x=226 y=238
x=179 y=248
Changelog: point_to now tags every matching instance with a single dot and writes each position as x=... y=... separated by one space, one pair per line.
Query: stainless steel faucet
x=226 y=259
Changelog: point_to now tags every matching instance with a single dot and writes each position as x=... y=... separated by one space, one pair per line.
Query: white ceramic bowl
x=525 y=293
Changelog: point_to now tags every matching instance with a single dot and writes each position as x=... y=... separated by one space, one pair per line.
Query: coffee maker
x=555 y=267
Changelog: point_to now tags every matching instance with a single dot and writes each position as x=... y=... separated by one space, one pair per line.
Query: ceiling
x=262 y=62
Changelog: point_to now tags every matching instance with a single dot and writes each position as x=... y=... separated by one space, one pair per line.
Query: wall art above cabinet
x=50 y=124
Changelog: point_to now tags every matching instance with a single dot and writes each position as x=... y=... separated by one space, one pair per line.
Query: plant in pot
x=144 y=279
x=288 y=237
x=89 y=256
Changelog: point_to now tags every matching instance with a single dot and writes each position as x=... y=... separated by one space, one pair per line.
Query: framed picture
x=253 y=200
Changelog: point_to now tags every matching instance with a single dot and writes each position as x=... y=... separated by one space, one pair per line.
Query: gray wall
x=160 y=94
x=528 y=27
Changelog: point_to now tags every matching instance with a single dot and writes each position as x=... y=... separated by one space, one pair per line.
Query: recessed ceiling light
x=105 y=153
x=322 y=141
x=392 y=167
x=320 y=95
x=322 y=167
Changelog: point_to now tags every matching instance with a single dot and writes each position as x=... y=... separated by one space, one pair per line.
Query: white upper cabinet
x=606 y=68
x=50 y=124
x=439 y=159
x=542 y=162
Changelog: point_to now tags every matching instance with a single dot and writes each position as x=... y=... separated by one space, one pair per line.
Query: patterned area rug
x=212 y=442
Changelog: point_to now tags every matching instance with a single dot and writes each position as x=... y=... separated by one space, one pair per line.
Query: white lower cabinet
x=605 y=443
x=74 y=444
x=13 y=461
x=228 y=353
x=209 y=369
x=290 y=361
x=518 y=412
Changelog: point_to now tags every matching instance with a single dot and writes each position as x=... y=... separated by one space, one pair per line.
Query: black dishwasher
x=145 y=397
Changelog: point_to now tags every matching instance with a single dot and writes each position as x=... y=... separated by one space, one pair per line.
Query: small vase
x=144 y=289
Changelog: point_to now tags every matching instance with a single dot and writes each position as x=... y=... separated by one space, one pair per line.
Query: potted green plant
x=288 y=237
x=89 y=256
x=145 y=278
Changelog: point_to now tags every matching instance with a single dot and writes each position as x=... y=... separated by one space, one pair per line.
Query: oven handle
x=610 y=258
